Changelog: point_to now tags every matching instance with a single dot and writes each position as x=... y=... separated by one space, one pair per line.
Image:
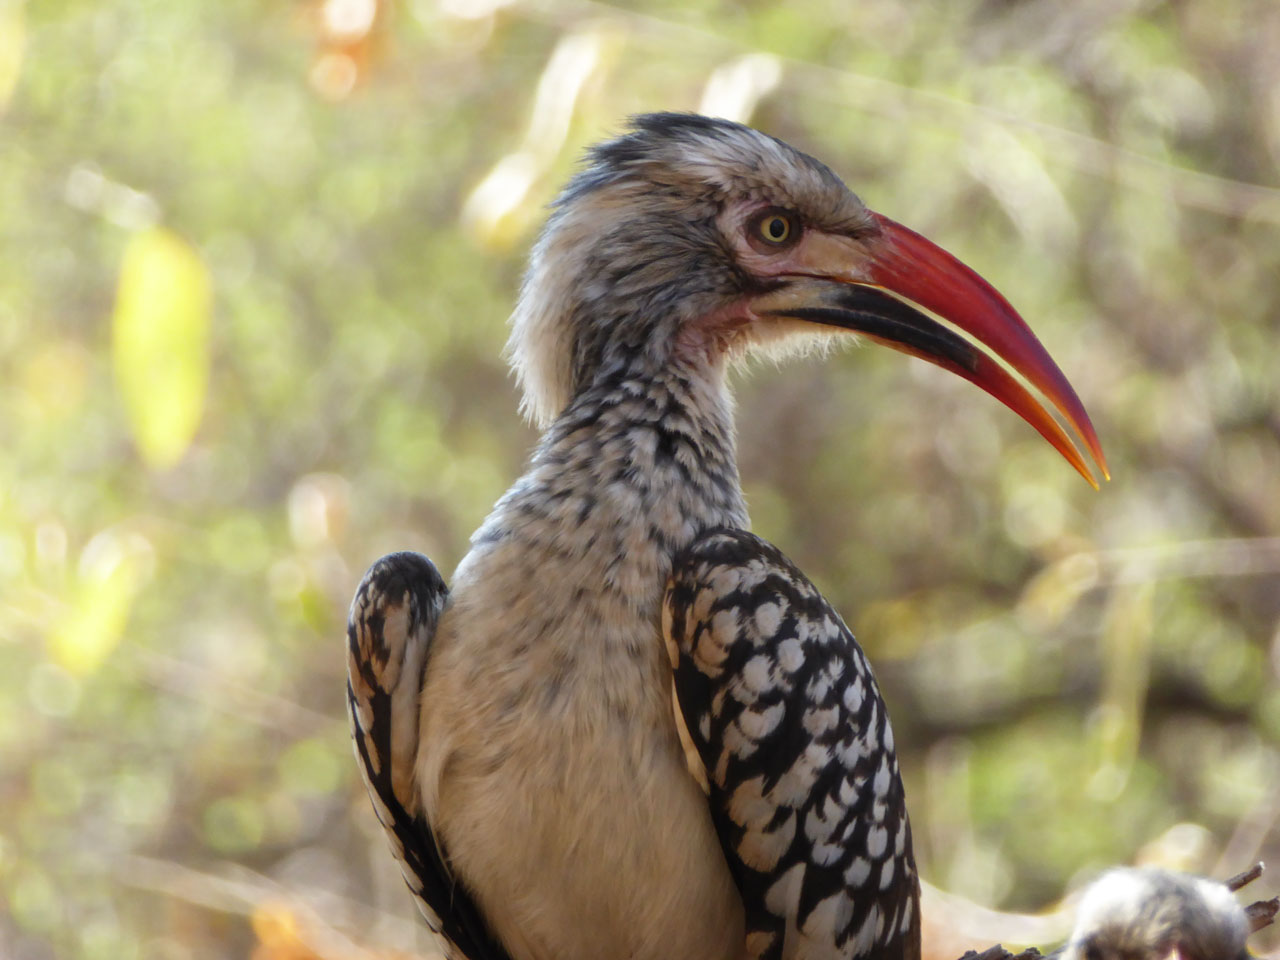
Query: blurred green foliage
x=256 y=265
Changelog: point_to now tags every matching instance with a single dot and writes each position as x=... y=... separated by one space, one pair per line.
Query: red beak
x=907 y=264
x=840 y=280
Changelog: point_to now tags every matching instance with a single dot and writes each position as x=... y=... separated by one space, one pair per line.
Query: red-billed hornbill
x=521 y=733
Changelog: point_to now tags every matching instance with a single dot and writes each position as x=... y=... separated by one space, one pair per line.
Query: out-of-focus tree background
x=255 y=265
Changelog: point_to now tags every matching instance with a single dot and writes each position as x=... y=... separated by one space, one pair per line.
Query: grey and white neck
x=648 y=455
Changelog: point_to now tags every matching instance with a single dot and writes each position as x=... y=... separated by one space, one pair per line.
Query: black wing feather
x=783 y=710
x=392 y=622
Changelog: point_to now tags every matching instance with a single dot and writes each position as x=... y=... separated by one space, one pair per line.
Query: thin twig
x=1245 y=878
x=1262 y=913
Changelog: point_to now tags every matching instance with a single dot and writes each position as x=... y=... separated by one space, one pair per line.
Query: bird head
x=689 y=241
x=1154 y=914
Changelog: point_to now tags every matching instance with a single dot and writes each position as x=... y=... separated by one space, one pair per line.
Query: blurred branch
x=1251 y=832
x=954 y=924
x=239 y=890
x=1241 y=557
x=1053 y=592
x=230 y=695
x=1191 y=188
x=1170 y=696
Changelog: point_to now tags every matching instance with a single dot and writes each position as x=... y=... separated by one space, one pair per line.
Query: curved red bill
x=902 y=261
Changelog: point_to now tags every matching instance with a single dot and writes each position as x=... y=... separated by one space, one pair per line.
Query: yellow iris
x=775 y=228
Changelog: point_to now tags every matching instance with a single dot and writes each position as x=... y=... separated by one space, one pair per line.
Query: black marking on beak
x=883 y=317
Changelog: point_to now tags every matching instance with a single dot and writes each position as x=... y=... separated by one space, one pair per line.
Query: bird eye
x=776 y=227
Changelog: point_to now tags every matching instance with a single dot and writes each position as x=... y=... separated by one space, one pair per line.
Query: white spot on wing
x=881 y=783
x=795 y=786
x=818 y=828
x=886 y=874
x=848 y=791
x=857 y=872
x=781 y=898
x=768 y=619
x=757 y=674
x=828 y=917
x=761 y=848
x=757 y=724
x=819 y=722
x=868 y=932
x=790 y=655
x=877 y=842
x=725 y=581
x=853 y=695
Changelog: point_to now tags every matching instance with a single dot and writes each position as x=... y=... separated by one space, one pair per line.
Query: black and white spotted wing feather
x=392 y=621
x=781 y=705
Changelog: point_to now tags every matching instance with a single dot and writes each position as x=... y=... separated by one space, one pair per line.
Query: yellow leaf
x=13 y=42
x=160 y=343
x=113 y=570
x=275 y=924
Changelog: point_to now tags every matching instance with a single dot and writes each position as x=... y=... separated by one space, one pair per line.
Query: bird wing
x=392 y=622
x=781 y=706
